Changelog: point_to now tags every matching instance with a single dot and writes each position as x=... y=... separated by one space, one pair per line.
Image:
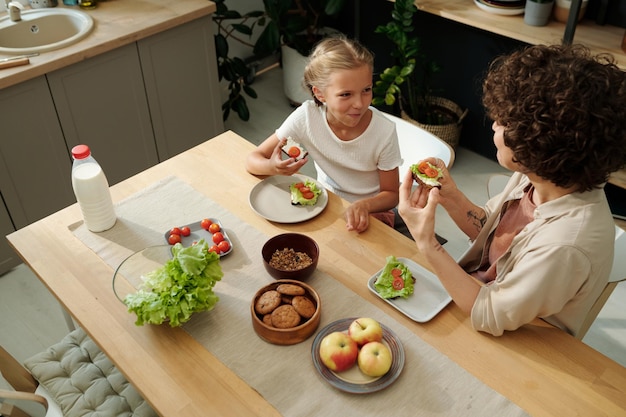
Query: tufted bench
x=84 y=382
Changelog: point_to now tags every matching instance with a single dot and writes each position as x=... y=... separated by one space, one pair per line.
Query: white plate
x=428 y=298
x=271 y=199
x=499 y=10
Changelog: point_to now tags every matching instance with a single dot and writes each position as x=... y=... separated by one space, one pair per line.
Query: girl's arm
x=266 y=159
x=357 y=215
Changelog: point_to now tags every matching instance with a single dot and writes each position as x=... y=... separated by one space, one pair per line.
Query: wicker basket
x=450 y=133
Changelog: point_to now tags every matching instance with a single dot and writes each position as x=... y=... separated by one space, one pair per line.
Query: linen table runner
x=430 y=384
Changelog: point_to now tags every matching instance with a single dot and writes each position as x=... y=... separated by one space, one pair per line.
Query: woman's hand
x=417 y=208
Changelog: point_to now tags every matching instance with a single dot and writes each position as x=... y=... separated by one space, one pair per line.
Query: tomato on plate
x=308 y=195
x=218 y=237
x=299 y=185
x=185 y=230
x=215 y=249
x=396 y=272
x=174 y=239
x=398 y=283
x=224 y=246
x=205 y=223
x=214 y=228
x=175 y=231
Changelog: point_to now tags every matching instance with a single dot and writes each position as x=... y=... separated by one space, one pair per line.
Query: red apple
x=338 y=351
x=365 y=330
x=374 y=359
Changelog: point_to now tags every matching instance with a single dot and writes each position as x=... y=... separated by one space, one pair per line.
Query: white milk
x=92 y=193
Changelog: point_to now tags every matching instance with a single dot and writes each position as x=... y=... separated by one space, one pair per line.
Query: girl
x=354 y=147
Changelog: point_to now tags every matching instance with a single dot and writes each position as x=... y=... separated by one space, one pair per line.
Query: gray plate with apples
x=353 y=380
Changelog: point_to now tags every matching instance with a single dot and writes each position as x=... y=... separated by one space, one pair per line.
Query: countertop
x=116 y=23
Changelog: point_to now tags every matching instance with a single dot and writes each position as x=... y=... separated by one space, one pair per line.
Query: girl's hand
x=287 y=166
x=357 y=217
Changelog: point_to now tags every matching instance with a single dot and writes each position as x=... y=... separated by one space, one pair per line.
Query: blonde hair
x=332 y=54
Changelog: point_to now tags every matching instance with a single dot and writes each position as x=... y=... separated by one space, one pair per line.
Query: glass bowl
x=128 y=277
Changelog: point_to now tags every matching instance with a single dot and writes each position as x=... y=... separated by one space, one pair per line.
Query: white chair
x=417 y=144
x=72 y=377
x=496 y=184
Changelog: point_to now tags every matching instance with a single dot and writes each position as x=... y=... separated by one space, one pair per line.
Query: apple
x=338 y=351
x=365 y=330
x=374 y=359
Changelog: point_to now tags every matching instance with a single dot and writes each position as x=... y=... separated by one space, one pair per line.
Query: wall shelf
x=597 y=37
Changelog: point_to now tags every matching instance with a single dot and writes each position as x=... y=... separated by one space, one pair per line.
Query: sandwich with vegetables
x=395 y=280
x=294 y=150
x=304 y=193
x=427 y=174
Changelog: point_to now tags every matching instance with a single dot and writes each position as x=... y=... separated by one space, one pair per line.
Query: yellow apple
x=338 y=351
x=374 y=359
x=364 y=330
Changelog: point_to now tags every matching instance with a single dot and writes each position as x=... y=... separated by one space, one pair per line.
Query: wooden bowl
x=297 y=242
x=292 y=335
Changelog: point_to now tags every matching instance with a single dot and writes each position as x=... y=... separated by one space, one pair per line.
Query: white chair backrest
x=417 y=144
x=618 y=271
x=496 y=183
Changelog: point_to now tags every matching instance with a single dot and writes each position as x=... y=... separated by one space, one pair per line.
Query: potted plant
x=298 y=24
x=407 y=84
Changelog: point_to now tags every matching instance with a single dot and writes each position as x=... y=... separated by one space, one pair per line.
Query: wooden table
x=542 y=369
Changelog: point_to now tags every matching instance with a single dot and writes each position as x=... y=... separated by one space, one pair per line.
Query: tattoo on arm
x=477 y=218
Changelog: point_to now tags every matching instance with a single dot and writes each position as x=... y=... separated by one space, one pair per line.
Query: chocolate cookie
x=285 y=317
x=267 y=302
x=303 y=306
x=290 y=289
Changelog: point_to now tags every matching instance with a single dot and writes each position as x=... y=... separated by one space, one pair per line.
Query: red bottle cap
x=80 y=151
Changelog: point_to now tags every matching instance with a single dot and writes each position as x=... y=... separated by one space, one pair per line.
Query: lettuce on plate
x=395 y=280
x=181 y=287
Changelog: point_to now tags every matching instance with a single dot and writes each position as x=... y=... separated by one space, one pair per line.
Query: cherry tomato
x=398 y=283
x=215 y=249
x=224 y=246
x=175 y=231
x=185 y=230
x=174 y=239
x=431 y=172
x=423 y=166
x=205 y=223
x=214 y=228
x=308 y=195
x=304 y=189
x=293 y=152
x=299 y=185
x=218 y=237
x=396 y=272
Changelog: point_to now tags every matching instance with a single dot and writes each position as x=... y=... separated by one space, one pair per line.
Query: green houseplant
x=295 y=23
x=407 y=84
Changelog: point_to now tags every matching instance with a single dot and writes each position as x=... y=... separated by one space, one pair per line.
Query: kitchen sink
x=42 y=30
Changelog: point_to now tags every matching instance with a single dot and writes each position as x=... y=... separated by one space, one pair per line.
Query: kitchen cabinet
x=134 y=106
x=8 y=258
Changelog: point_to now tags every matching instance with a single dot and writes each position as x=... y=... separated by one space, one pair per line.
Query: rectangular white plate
x=428 y=298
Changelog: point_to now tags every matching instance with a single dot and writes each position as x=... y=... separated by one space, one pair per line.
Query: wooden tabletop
x=540 y=368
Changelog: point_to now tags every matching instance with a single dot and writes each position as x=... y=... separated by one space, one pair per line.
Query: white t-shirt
x=347 y=168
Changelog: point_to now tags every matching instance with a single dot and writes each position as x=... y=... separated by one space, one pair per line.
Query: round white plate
x=271 y=199
x=505 y=11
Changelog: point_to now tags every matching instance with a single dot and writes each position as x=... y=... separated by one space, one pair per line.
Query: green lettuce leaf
x=384 y=282
x=296 y=195
x=181 y=287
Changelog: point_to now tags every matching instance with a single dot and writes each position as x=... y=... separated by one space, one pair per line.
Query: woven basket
x=450 y=133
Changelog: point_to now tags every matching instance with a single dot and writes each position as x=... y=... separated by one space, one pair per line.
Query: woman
x=354 y=147
x=544 y=246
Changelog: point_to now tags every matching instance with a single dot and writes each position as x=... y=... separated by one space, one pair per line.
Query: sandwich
x=395 y=280
x=427 y=174
x=294 y=150
x=304 y=193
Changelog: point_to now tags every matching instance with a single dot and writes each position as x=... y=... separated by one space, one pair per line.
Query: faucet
x=14 y=8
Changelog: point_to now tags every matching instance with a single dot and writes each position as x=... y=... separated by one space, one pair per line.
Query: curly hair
x=563 y=111
x=332 y=54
